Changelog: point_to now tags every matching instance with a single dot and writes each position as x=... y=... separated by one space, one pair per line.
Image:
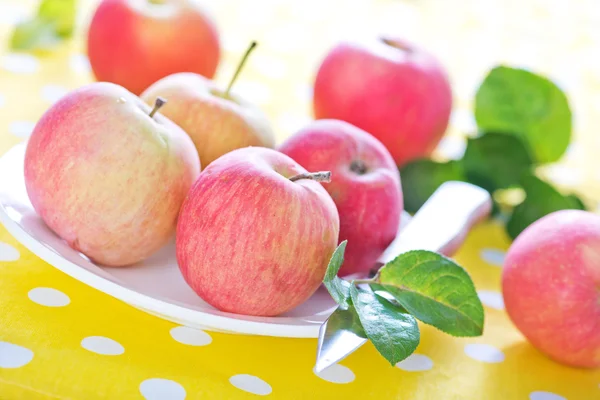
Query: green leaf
x=393 y=333
x=496 y=161
x=338 y=288
x=541 y=199
x=54 y=21
x=421 y=178
x=530 y=106
x=435 y=290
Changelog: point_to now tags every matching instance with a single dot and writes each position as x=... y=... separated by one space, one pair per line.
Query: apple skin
x=392 y=89
x=249 y=240
x=550 y=285
x=134 y=43
x=106 y=177
x=217 y=123
x=369 y=203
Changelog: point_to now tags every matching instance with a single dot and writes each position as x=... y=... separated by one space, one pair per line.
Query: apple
x=134 y=43
x=389 y=87
x=256 y=233
x=550 y=283
x=217 y=120
x=366 y=186
x=108 y=175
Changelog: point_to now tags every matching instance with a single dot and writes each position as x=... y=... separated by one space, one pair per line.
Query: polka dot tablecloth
x=60 y=339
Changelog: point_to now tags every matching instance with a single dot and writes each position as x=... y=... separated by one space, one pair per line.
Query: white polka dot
x=484 y=353
x=53 y=93
x=10 y=14
x=271 y=67
x=80 y=63
x=463 y=121
x=161 y=389
x=452 y=147
x=251 y=384
x=13 y=356
x=491 y=299
x=48 y=297
x=8 y=253
x=19 y=63
x=102 y=345
x=21 y=128
x=291 y=123
x=336 y=374
x=190 y=336
x=254 y=92
x=415 y=362
x=538 y=395
x=2 y=101
x=493 y=256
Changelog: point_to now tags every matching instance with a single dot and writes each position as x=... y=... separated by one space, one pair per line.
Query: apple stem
x=321 y=176
x=157 y=105
x=240 y=66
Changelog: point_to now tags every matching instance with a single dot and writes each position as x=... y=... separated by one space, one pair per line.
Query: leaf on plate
x=338 y=288
x=435 y=290
x=496 y=161
x=541 y=199
x=421 y=178
x=394 y=333
x=530 y=106
x=54 y=21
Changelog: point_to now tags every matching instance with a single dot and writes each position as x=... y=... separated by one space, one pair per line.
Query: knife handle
x=442 y=223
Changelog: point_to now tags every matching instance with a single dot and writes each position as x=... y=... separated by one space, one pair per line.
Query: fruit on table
x=108 y=174
x=134 y=43
x=216 y=120
x=550 y=285
x=365 y=186
x=256 y=232
x=393 y=89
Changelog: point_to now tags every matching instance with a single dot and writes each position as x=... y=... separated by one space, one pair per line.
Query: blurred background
x=556 y=38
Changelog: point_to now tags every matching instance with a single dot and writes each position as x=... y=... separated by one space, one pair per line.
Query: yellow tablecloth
x=54 y=329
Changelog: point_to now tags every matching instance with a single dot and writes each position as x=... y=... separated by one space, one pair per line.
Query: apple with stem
x=108 y=174
x=217 y=120
x=366 y=188
x=256 y=233
x=550 y=284
x=134 y=43
x=393 y=89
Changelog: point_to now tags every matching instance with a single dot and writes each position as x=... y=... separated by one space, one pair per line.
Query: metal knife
x=440 y=225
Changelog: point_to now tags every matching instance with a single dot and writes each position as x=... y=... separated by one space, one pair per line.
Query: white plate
x=155 y=285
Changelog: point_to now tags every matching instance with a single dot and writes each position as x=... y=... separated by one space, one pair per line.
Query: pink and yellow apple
x=392 y=89
x=256 y=233
x=108 y=174
x=365 y=186
x=550 y=283
x=217 y=120
x=134 y=43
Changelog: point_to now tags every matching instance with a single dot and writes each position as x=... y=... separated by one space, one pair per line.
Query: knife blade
x=440 y=225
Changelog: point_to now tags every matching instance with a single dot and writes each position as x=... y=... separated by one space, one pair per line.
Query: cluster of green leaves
x=53 y=23
x=417 y=285
x=524 y=121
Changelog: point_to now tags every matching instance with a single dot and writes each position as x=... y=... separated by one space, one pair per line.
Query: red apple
x=256 y=233
x=365 y=187
x=217 y=120
x=134 y=43
x=393 y=89
x=108 y=174
x=551 y=281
